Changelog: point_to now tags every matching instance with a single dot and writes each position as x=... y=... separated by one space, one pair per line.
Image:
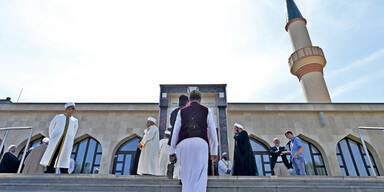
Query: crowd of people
x=188 y=151
x=192 y=146
x=53 y=155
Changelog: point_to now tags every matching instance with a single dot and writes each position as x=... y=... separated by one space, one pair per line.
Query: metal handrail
x=365 y=147
x=6 y=129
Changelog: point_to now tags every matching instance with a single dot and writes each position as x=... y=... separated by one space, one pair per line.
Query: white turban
x=238 y=126
x=152 y=119
x=11 y=146
x=224 y=153
x=167 y=132
x=69 y=104
x=46 y=140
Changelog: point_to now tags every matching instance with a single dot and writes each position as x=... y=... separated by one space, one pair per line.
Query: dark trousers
x=51 y=168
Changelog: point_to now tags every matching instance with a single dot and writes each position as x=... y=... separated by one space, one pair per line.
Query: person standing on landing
x=62 y=131
x=193 y=138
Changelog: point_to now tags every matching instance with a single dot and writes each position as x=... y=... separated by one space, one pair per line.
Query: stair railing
x=365 y=147
x=6 y=129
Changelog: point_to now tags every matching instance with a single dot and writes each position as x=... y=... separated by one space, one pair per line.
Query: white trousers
x=192 y=154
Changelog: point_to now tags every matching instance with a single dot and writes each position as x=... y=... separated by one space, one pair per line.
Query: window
x=261 y=153
x=87 y=156
x=314 y=162
x=32 y=144
x=353 y=160
x=125 y=157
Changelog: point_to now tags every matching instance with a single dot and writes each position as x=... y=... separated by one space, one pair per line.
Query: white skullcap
x=238 y=126
x=11 y=146
x=224 y=153
x=46 y=140
x=152 y=119
x=69 y=104
x=167 y=132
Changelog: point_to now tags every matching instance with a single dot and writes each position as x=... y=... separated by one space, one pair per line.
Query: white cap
x=238 y=126
x=167 y=132
x=46 y=140
x=224 y=153
x=11 y=146
x=152 y=119
x=69 y=104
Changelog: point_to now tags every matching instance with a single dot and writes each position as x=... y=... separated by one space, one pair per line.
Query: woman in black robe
x=244 y=161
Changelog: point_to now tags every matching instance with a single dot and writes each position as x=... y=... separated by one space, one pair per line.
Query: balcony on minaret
x=307 y=58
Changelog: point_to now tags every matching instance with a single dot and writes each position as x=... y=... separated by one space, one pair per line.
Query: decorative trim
x=313 y=67
x=293 y=20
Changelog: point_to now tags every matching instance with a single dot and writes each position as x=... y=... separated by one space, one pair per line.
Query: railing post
x=3 y=141
x=25 y=152
x=367 y=153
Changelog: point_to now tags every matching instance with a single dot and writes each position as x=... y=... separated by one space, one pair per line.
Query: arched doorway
x=261 y=153
x=32 y=144
x=353 y=160
x=314 y=162
x=87 y=155
x=125 y=157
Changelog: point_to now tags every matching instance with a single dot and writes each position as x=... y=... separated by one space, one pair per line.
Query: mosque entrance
x=214 y=97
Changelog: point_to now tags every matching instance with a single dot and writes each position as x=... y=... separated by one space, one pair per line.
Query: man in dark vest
x=243 y=159
x=193 y=137
x=183 y=100
x=279 y=160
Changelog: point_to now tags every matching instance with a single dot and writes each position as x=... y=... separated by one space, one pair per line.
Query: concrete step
x=101 y=183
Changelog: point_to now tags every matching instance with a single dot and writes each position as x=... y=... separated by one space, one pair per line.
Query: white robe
x=164 y=156
x=149 y=156
x=224 y=166
x=56 y=129
x=192 y=155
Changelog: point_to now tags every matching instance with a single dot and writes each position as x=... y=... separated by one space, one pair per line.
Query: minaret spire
x=307 y=61
x=292 y=11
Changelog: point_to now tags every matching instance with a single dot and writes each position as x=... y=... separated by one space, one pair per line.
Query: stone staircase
x=109 y=183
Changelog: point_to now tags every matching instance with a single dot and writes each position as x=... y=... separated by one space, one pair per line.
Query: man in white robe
x=149 y=145
x=164 y=153
x=62 y=131
x=225 y=165
x=194 y=133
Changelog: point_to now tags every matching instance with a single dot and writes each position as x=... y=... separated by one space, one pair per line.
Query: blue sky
x=120 y=51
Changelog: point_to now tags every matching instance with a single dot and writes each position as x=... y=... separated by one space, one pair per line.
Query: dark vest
x=193 y=122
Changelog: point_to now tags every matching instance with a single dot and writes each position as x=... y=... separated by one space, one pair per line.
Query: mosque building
x=108 y=133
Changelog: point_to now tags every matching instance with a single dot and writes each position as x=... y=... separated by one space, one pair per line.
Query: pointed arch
x=126 y=156
x=35 y=141
x=86 y=154
x=259 y=139
x=261 y=152
x=352 y=158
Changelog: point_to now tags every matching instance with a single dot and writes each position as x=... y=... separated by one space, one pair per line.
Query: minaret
x=307 y=62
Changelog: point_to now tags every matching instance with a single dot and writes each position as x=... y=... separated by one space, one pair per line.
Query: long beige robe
x=149 y=156
x=164 y=156
x=32 y=162
x=56 y=130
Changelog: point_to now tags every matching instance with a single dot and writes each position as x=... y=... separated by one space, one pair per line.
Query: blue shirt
x=296 y=143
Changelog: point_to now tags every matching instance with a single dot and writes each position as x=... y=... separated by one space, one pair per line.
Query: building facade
x=109 y=132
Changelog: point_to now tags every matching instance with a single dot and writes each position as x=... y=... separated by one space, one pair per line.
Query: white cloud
x=354 y=85
x=379 y=54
